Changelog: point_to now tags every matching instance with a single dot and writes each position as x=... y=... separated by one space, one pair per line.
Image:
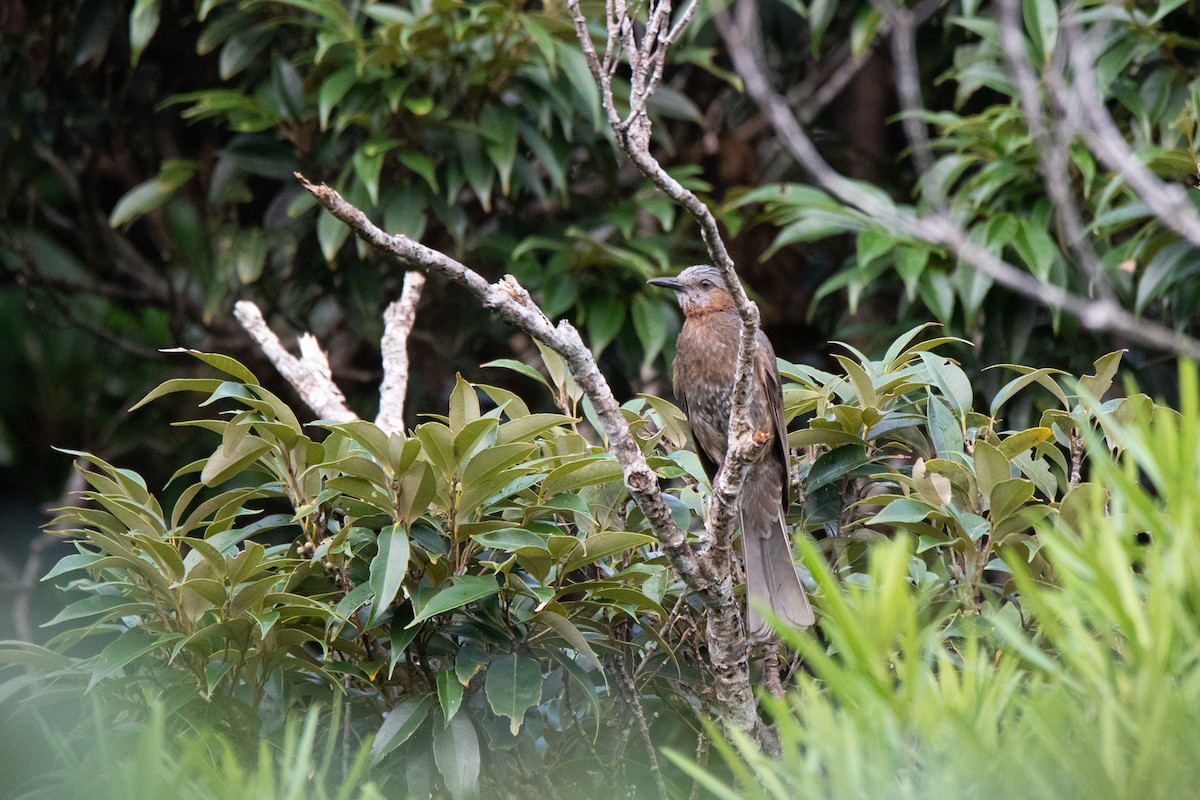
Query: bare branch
x=938 y=228
x=908 y=83
x=1052 y=148
x=309 y=375
x=1086 y=108
x=398 y=322
x=31 y=572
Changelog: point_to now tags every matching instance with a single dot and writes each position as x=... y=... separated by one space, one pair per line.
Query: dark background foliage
x=146 y=184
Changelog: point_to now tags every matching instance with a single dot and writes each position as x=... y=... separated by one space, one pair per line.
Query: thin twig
x=629 y=689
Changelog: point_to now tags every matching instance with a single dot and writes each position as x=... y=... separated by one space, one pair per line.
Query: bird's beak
x=667 y=283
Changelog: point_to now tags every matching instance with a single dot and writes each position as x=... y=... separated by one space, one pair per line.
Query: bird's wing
x=768 y=377
x=699 y=437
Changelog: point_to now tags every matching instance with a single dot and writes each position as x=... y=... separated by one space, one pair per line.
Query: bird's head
x=699 y=289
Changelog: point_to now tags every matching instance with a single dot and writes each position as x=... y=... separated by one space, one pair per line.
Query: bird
x=704 y=370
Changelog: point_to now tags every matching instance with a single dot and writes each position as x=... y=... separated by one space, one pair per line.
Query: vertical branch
x=726 y=631
x=398 y=322
x=646 y=60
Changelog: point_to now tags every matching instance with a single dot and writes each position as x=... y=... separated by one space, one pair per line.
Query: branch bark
x=310 y=375
x=398 y=322
x=726 y=632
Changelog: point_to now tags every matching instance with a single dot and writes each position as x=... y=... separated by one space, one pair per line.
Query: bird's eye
x=706 y=284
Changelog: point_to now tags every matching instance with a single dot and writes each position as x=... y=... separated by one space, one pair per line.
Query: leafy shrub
x=481 y=591
x=1087 y=693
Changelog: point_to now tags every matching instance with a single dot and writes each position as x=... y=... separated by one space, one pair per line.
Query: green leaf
x=897 y=511
x=1167 y=267
x=574 y=65
x=401 y=723
x=1008 y=496
x=465 y=589
x=952 y=383
x=580 y=473
x=1106 y=368
x=991 y=467
x=513 y=685
x=835 y=465
x=420 y=164
x=229 y=461
x=450 y=695
x=143 y=22
x=332 y=90
x=125 y=649
x=456 y=753
x=1018 y=443
x=510 y=539
x=570 y=634
x=331 y=235
x=602 y=545
x=230 y=366
x=944 y=428
x=862 y=30
x=500 y=128
x=151 y=194
x=1041 y=20
x=388 y=568
x=542 y=38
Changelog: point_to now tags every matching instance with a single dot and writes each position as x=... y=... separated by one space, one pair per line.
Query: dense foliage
x=1088 y=693
x=1002 y=559
x=147 y=183
x=482 y=595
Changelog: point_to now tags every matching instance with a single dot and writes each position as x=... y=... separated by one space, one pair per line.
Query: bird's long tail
x=771 y=580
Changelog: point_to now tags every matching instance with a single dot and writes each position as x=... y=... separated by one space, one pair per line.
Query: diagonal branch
x=310 y=375
x=1103 y=314
x=1087 y=112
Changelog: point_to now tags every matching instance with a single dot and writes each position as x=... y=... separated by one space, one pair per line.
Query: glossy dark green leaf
x=513 y=685
x=401 y=723
x=456 y=753
x=463 y=590
x=388 y=568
